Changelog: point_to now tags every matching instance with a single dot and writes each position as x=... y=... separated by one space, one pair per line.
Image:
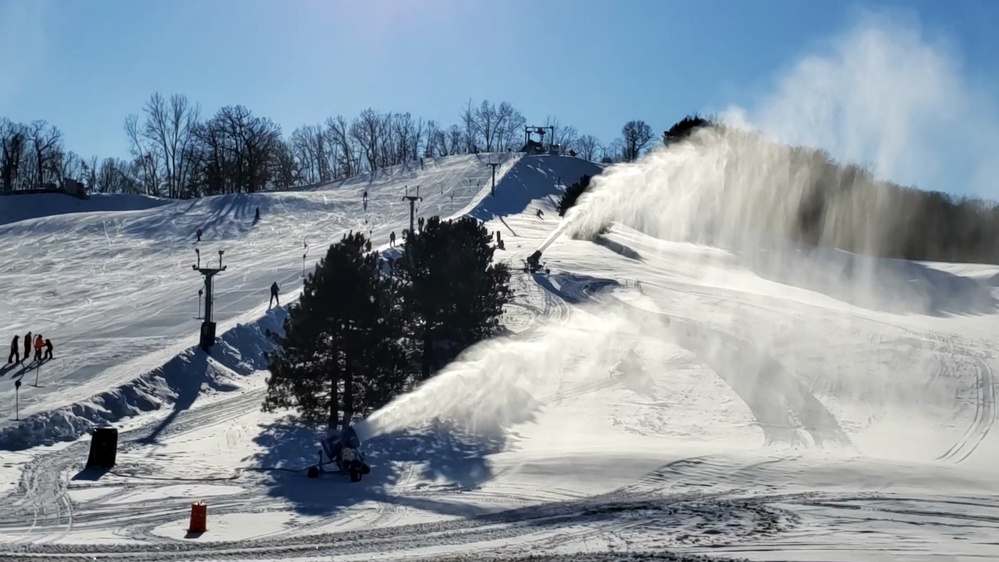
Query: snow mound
x=16 y=208
x=238 y=352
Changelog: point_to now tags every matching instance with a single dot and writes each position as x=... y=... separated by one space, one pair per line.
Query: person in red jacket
x=39 y=344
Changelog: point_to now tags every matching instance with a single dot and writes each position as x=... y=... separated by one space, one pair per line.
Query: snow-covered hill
x=766 y=406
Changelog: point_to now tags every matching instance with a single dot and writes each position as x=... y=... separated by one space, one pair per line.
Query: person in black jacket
x=274 y=295
x=15 y=351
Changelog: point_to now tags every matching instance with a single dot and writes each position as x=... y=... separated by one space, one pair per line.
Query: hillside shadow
x=92 y=474
x=20 y=370
x=220 y=217
x=618 y=248
x=530 y=179
x=573 y=288
x=445 y=454
x=879 y=284
x=782 y=405
x=192 y=372
x=503 y=220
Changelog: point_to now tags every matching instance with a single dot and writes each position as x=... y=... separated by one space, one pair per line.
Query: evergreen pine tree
x=338 y=352
x=454 y=294
x=572 y=194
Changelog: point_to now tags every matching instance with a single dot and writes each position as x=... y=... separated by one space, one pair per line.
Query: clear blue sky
x=595 y=64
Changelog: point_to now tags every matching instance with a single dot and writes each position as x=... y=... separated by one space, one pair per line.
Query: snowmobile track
x=531 y=526
x=41 y=493
x=985 y=415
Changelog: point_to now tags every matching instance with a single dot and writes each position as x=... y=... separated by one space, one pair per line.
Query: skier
x=15 y=356
x=392 y=239
x=540 y=214
x=39 y=343
x=274 y=295
x=48 y=349
x=256 y=217
x=199 y=235
x=27 y=346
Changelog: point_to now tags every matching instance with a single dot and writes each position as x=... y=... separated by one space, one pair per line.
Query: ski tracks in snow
x=985 y=414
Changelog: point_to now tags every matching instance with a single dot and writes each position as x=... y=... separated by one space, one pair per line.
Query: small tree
x=340 y=351
x=685 y=127
x=572 y=193
x=454 y=294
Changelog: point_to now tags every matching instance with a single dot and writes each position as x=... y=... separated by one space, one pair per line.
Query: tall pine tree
x=341 y=351
x=454 y=293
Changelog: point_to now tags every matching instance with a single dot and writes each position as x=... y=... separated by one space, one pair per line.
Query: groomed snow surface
x=651 y=400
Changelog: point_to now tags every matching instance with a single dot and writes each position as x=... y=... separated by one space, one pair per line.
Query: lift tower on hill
x=492 y=190
x=412 y=208
x=208 y=325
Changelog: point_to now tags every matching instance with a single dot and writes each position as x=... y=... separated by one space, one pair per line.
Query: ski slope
x=85 y=274
x=768 y=416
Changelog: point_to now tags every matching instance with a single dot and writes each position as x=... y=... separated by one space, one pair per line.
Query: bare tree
x=366 y=130
x=431 y=148
x=69 y=165
x=636 y=136
x=143 y=156
x=613 y=152
x=168 y=128
x=13 y=149
x=338 y=132
x=46 y=143
x=587 y=147
x=457 y=140
x=307 y=146
x=286 y=171
x=563 y=136
x=471 y=129
x=509 y=127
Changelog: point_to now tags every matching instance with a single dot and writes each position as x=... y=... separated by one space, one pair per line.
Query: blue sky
x=594 y=64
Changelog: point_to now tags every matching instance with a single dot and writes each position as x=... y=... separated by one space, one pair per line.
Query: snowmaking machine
x=534 y=265
x=344 y=450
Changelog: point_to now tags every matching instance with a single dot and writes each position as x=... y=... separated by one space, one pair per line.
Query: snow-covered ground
x=772 y=413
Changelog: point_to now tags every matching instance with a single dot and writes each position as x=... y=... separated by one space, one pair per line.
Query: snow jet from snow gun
x=504 y=381
x=534 y=260
x=882 y=94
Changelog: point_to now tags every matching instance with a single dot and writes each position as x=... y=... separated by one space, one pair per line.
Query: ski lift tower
x=208 y=324
x=492 y=190
x=412 y=208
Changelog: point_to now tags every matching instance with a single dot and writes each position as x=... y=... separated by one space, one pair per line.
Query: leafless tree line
x=175 y=152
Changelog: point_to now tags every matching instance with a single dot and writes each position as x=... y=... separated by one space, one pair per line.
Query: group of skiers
x=40 y=344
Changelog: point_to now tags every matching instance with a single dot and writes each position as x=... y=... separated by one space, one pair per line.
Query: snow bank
x=239 y=351
x=16 y=208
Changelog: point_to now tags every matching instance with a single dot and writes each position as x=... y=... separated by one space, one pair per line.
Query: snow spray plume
x=882 y=92
x=504 y=381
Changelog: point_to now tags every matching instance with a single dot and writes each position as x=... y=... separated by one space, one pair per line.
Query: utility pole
x=208 y=325
x=492 y=190
x=412 y=208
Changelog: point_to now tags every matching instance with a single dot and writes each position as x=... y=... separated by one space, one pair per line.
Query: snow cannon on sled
x=534 y=264
x=344 y=450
